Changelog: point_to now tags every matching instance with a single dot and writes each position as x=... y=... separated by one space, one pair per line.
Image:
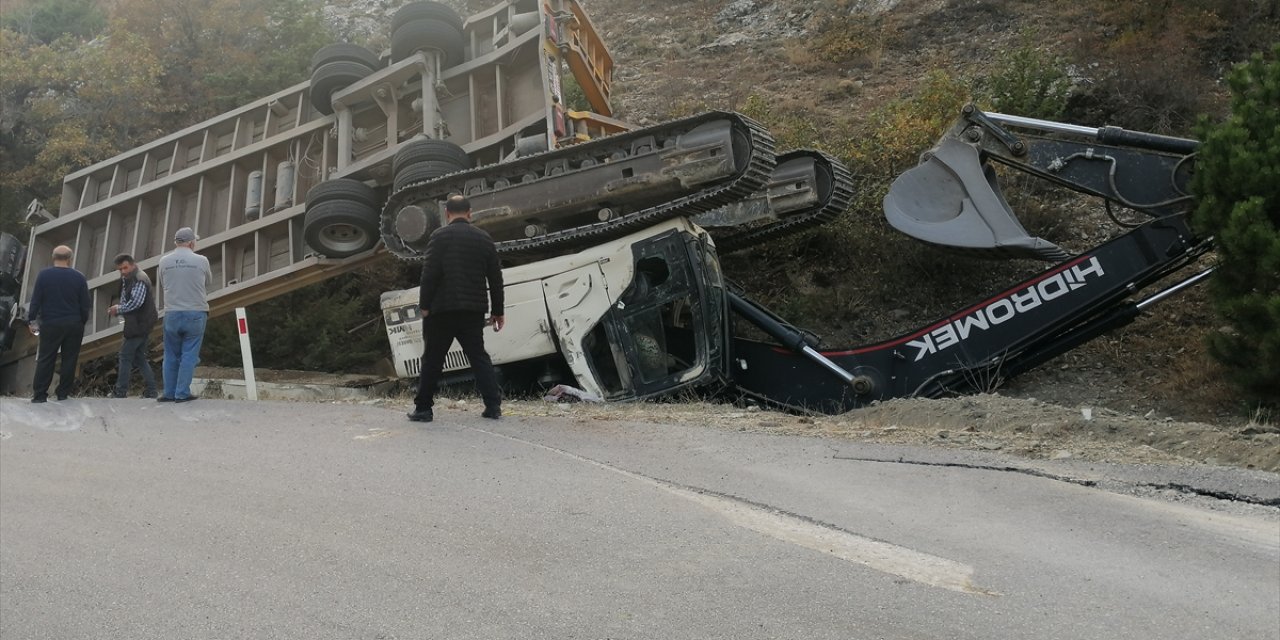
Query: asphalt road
x=221 y=519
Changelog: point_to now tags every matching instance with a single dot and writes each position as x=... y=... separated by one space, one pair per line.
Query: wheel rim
x=344 y=237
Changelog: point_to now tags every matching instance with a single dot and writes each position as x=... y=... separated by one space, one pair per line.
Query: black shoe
x=420 y=415
x=39 y=399
x=117 y=394
x=492 y=413
x=61 y=398
x=149 y=394
x=164 y=399
x=186 y=399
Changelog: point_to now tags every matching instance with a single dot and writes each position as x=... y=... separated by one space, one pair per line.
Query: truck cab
x=641 y=316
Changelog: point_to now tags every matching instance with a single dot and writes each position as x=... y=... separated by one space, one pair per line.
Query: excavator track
x=681 y=169
x=834 y=185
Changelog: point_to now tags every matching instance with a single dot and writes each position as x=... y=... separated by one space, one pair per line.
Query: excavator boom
x=952 y=199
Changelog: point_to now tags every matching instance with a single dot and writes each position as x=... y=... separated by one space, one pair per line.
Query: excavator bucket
x=952 y=199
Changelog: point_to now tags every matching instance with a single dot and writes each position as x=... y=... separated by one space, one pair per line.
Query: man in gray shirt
x=184 y=276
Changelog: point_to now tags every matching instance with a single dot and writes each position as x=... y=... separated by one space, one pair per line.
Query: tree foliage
x=1238 y=187
x=219 y=54
x=48 y=20
x=74 y=97
x=69 y=104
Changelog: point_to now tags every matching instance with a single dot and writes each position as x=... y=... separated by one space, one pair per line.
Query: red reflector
x=244 y=326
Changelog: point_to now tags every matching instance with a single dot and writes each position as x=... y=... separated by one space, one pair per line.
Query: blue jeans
x=135 y=352
x=183 y=335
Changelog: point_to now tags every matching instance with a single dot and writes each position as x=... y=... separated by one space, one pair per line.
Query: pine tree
x=1237 y=184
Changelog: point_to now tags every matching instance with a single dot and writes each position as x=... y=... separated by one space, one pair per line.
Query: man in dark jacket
x=58 y=311
x=460 y=259
x=138 y=308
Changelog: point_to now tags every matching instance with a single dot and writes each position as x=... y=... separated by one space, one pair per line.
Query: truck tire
x=342 y=189
x=423 y=150
x=345 y=52
x=652 y=359
x=418 y=35
x=425 y=11
x=340 y=228
x=425 y=170
x=331 y=77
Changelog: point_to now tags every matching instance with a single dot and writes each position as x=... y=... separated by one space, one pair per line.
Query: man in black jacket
x=58 y=311
x=138 y=308
x=460 y=259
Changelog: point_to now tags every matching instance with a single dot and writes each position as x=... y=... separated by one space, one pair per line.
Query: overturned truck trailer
x=323 y=177
x=241 y=180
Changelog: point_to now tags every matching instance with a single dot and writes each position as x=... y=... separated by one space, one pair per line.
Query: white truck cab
x=639 y=316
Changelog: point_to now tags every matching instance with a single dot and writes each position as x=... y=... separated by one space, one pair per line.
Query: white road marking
x=882 y=556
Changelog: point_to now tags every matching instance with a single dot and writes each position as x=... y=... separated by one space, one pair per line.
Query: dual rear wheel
x=342 y=215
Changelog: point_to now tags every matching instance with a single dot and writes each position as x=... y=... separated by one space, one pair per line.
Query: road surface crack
x=1084 y=482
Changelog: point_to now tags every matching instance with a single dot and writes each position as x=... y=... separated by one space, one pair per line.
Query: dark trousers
x=440 y=330
x=135 y=352
x=65 y=339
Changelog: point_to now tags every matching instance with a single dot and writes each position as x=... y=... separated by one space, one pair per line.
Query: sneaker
x=61 y=397
x=420 y=415
x=39 y=399
x=164 y=399
x=149 y=394
x=118 y=394
x=492 y=413
x=186 y=399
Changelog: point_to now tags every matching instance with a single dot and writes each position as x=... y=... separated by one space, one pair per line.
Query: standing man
x=58 y=311
x=460 y=259
x=184 y=277
x=138 y=308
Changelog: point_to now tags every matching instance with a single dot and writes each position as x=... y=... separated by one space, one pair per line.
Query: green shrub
x=334 y=325
x=575 y=99
x=1237 y=184
x=896 y=134
x=1029 y=82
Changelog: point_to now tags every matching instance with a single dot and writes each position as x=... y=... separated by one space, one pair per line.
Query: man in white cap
x=184 y=278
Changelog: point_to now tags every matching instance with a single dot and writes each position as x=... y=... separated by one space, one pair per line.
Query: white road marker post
x=250 y=384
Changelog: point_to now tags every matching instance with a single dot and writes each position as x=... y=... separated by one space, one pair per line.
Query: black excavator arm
x=952 y=199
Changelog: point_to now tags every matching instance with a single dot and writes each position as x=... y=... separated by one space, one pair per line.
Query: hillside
x=838 y=66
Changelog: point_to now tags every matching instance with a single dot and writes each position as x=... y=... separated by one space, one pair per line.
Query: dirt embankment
x=1022 y=427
